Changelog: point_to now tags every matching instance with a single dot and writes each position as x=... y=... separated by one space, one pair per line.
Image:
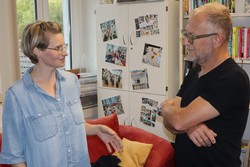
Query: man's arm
x=181 y=119
x=176 y=103
x=200 y=134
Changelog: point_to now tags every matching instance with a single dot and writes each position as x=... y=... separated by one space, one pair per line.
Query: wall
x=9 y=64
x=84 y=33
x=1 y=93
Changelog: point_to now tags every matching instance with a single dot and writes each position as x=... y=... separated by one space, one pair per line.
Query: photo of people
x=148 y=113
x=112 y=78
x=139 y=79
x=108 y=29
x=112 y=105
x=116 y=54
x=247 y=6
x=152 y=55
x=147 y=25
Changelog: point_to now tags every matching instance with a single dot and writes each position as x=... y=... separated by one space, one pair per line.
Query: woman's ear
x=36 y=51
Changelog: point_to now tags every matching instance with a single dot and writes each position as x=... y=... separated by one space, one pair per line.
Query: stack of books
x=88 y=85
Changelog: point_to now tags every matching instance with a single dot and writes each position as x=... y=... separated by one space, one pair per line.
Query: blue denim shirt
x=41 y=130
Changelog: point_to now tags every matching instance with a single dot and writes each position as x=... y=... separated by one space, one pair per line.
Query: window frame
x=42 y=12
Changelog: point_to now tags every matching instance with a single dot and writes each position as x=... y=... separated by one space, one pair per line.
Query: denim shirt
x=41 y=130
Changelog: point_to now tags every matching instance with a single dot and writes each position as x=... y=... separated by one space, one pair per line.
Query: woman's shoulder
x=66 y=74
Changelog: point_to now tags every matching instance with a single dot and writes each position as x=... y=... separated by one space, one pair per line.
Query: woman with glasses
x=209 y=113
x=43 y=122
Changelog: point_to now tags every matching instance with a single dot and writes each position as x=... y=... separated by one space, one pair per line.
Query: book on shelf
x=239 y=43
x=190 y=5
x=246 y=52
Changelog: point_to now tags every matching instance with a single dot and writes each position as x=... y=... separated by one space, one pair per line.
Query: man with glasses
x=210 y=111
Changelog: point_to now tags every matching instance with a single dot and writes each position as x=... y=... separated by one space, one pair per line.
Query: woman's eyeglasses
x=60 y=48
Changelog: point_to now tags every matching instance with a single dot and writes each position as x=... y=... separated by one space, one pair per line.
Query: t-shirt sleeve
x=228 y=92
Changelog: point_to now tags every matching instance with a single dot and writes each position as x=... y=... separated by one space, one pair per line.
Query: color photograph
x=112 y=78
x=116 y=55
x=147 y=25
x=152 y=55
x=112 y=105
x=149 y=110
x=108 y=30
x=139 y=79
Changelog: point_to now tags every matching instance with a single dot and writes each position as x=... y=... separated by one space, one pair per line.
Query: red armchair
x=161 y=155
x=2 y=165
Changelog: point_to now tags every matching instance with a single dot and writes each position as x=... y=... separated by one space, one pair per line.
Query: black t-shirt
x=226 y=88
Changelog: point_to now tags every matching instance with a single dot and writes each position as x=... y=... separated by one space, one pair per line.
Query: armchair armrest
x=162 y=153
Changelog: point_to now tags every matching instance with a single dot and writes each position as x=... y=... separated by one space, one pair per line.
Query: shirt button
x=69 y=151
x=58 y=99
x=75 y=100
x=67 y=133
x=63 y=115
x=39 y=114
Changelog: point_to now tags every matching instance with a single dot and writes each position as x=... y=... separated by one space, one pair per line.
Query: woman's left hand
x=109 y=137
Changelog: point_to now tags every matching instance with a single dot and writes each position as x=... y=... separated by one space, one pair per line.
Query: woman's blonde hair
x=37 y=35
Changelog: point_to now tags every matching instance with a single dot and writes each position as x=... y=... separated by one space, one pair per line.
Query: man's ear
x=219 y=40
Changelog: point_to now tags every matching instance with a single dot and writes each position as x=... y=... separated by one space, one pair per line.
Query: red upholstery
x=96 y=147
x=2 y=165
x=161 y=155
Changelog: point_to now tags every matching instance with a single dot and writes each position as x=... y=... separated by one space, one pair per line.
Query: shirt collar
x=28 y=81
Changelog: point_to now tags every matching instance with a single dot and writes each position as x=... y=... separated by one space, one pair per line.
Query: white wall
x=84 y=34
x=1 y=83
x=9 y=56
x=1 y=93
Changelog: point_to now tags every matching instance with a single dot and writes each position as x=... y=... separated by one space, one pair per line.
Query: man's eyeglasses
x=190 y=37
x=60 y=48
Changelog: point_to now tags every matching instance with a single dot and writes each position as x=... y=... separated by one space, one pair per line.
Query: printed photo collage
x=149 y=111
x=151 y=55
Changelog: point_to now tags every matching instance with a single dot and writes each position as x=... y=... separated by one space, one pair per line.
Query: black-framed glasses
x=190 y=37
x=60 y=48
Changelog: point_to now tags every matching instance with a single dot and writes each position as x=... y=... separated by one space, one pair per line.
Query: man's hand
x=201 y=135
x=109 y=137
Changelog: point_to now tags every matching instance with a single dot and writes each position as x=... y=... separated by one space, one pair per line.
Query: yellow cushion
x=134 y=153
